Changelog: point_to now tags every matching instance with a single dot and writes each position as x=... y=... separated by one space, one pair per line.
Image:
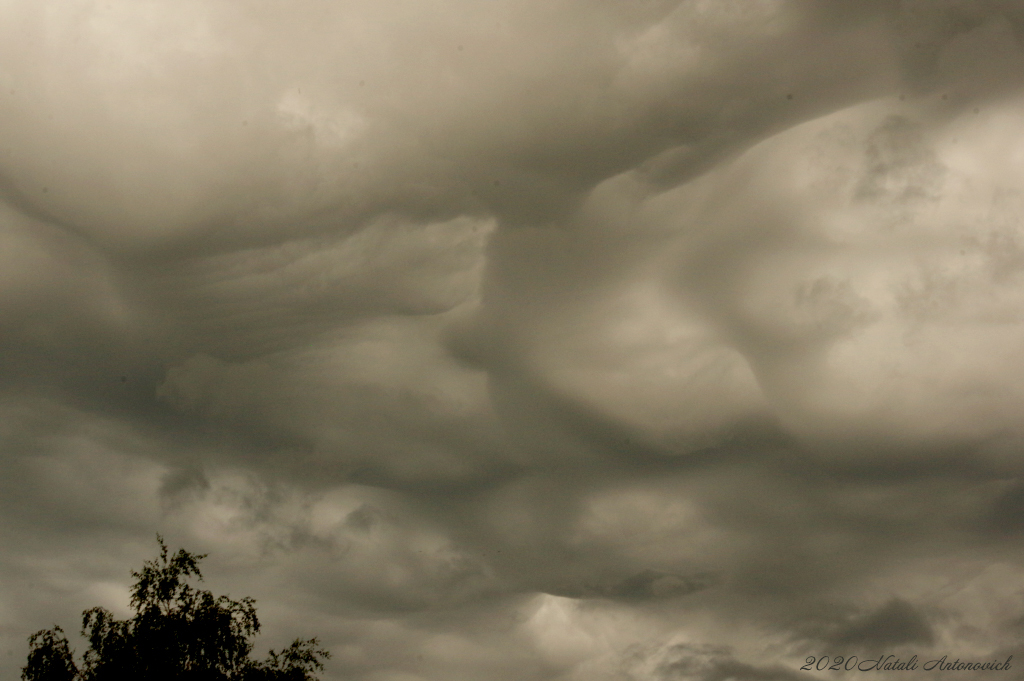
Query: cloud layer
x=662 y=340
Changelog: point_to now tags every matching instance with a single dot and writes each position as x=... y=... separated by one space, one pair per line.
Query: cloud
x=226 y=132
x=895 y=623
x=881 y=283
x=567 y=340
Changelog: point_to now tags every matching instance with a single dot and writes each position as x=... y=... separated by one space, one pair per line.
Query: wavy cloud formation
x=668 y=340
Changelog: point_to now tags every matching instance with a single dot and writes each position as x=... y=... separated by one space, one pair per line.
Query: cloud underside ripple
x=572 y=341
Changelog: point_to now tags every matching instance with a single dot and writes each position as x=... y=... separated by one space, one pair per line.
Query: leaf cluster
x=178 y=633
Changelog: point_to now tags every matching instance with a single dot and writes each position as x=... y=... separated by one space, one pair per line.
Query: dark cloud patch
x=701 y=662
x=748 y=672
x=897 y=623
x=653 y=584
x=180 y=483
x=1007 y=512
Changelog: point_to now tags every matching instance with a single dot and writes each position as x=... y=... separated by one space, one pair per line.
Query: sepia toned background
x=575 y=340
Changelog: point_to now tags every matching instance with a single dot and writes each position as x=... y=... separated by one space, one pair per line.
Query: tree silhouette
x=177 y=633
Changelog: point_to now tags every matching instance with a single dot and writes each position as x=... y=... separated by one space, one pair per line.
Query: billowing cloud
x=661 y=340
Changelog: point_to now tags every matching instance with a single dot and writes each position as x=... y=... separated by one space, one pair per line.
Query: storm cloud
x=660 y=340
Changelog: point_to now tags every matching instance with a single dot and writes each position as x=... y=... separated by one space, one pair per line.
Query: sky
x=509 y=340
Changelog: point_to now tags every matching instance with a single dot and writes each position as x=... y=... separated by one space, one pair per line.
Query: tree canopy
x=177 y=632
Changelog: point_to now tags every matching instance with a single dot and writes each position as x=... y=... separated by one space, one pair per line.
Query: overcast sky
x=521 y=340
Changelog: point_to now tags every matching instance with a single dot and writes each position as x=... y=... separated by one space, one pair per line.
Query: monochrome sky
x=521 y=340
